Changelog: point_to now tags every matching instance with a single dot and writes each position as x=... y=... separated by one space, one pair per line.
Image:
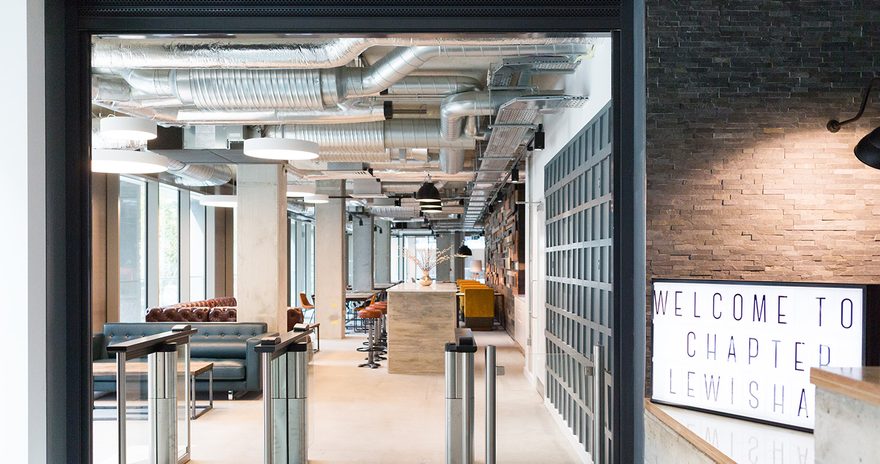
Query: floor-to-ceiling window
x=302 y=261
x=169 y=245
x=197 y=241
x=132 y=249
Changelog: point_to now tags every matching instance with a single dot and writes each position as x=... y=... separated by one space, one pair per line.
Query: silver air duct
x=455 y=108
x=291 y=53
x=451 y=160
x=199 y=175
x=373 y=137
x=313 y=89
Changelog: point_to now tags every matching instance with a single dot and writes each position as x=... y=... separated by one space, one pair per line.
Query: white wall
x=23 y=235
x=593 y=78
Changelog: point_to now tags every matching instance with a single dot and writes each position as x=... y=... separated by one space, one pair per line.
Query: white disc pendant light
x=280 y=149
x=219 y=201
x=126 y=128
x=300 y=190
x=318 y=198
x=128 y=162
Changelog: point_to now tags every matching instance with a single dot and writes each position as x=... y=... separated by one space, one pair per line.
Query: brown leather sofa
x=221 y=309
x=214 y=310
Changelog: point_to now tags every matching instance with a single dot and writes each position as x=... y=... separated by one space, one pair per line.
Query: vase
x=426 y=279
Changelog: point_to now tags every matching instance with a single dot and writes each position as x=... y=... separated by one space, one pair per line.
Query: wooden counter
x=421 y=320
x=861 y=383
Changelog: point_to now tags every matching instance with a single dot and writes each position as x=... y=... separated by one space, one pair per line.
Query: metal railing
x=161 y=351
x=284 y=362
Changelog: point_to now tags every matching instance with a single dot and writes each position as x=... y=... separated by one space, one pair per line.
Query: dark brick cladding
x=744 y=182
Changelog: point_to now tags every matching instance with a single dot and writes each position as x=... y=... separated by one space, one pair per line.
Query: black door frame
x=69 y=25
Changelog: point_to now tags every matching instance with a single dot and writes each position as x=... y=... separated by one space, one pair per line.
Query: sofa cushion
x=225 y=369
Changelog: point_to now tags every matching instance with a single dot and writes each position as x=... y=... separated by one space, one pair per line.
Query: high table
x=421 y=320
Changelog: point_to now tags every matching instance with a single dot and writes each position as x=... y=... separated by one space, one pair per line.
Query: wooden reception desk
x=421 y=320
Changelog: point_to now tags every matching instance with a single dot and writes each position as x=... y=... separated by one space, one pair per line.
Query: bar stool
x=383 y=322
x=370 y=316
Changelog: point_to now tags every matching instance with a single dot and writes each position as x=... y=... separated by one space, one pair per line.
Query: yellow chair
x=479 y=307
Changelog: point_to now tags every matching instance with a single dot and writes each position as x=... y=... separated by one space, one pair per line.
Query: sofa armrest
x=253 y=375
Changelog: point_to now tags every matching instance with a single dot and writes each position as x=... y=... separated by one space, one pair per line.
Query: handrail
x=278 y=344
x=155 y=343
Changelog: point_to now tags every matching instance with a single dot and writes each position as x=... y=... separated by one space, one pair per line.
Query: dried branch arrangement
x=426 y=259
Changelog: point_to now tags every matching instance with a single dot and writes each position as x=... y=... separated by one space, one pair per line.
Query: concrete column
x=261 y=250
x=330 y=260
x=458 y=263
x=444 y=241
x=362 y=254
x=382 y=255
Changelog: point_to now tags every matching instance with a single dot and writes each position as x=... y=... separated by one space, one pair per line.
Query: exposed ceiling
x=460 y=109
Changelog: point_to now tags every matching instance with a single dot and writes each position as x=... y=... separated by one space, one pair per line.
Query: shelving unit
x=505 y=252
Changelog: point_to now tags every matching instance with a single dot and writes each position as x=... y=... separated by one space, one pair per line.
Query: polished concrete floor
x=370 y=416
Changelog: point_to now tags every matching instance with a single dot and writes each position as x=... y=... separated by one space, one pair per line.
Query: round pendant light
x=428 y=193
x=868 y=149
x=463 y=251
x=126 y=128
x=128 y=162
x=280 y=149
x=219 y=201
x=300 y=190
x=318 y=199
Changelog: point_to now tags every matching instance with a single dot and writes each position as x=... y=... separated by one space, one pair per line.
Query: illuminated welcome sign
x=746 y=348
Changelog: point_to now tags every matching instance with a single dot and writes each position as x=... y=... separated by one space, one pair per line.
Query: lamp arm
x=835 y=125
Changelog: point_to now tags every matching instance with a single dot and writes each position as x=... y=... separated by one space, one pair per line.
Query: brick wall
x=744 y=182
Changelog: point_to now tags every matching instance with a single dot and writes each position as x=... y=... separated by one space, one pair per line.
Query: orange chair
x=306 y=305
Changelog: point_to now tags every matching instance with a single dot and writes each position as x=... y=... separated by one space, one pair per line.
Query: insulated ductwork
x=198 y=175
x=451 y=160
x=292 y=53
x=433 y=85
x=345 y=113
x=455 y=108
x=373 y=137
x=311 y=89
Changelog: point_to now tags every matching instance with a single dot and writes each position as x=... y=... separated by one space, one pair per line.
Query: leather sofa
x=229 y=345
x=213 y=310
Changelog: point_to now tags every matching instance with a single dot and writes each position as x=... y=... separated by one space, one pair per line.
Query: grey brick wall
x=744 y=182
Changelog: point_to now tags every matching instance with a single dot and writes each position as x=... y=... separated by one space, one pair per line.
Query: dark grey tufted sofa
x=229 y=345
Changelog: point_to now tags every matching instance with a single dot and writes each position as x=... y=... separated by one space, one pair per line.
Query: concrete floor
x=370 y=416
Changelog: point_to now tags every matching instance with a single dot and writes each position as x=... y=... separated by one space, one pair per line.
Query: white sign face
x=746 y=349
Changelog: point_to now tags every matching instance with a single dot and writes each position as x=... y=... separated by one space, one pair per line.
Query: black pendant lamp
x=463 y=251
x=428 y=193
x=868 y=149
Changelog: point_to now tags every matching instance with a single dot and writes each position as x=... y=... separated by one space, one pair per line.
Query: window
x=197 y=241
x=132 y=249
x=169 y=245
x=416 y=244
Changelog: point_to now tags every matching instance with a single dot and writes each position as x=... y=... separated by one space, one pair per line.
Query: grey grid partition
x=578 y=201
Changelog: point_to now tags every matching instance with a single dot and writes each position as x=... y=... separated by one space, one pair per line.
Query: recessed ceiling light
x=128 y=162
x=126 y=128
x=300 y=190
x=318 y=198
x=219 y=201
x=280 y=149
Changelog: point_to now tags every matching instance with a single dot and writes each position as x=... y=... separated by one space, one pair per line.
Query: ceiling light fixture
x=463 y=251
x=300 y=190
x=514 y=175
x=868 y=149
x=128 y=162
x=318 y=199
x=219 y=201
x=281 y=149
x=127 y=128
x=428 y=193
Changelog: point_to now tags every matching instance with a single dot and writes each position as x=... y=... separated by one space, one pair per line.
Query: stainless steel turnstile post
x=490 y=403
x=460 y=400
x=285 y=403
x=162 y=398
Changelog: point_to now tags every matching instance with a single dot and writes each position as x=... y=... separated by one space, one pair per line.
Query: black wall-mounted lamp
x=868 y=149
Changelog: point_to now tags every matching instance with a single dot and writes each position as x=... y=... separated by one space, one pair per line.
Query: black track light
x=514 y=175
x=361 y=222
x=350 y=218
x=539 y=138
